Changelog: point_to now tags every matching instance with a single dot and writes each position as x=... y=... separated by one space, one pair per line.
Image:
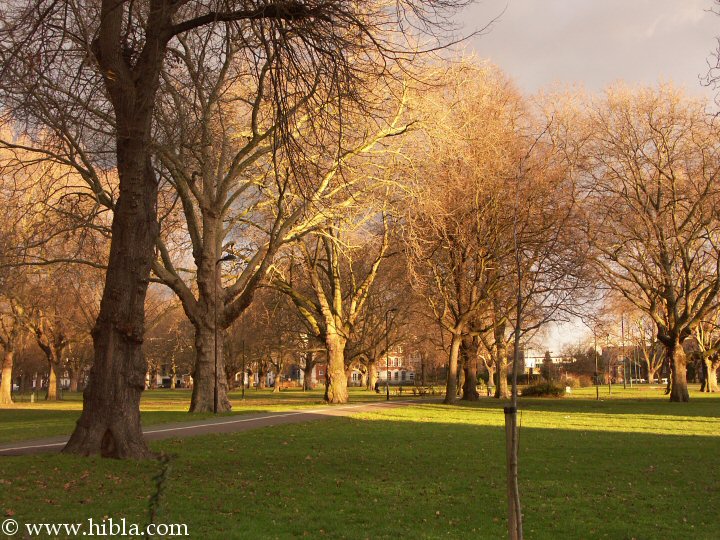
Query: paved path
x=225 y=424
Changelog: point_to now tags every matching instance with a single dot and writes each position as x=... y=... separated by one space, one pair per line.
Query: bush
x=585 y=381
x=544 y=389
x=570 y=380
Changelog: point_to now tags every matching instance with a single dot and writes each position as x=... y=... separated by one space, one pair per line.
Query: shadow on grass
x=362 y=478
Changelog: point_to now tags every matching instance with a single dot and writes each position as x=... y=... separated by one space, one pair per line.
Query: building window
x=412 y=376
x=396 y=375
x=404 y=374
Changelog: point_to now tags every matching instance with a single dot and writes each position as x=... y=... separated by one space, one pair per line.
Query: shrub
x=570 y=380
x=585 y=381
x=544 y=389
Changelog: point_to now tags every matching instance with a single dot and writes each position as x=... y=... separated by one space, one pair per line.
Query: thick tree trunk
x=6 y=383
x=372 y=375
x=110 y=421
x=651 y=375
x=52 y=393
x=337 y=391
x=451 y=388
x=469 y=352
x=678 y=373
x=203 y=394
x=502 y=390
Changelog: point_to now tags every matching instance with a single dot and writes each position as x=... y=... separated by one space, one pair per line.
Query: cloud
x=596 y=43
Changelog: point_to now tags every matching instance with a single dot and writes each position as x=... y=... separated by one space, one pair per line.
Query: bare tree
x=652 y=192
x=338 y=268
x=102 y=64
x=454 y=225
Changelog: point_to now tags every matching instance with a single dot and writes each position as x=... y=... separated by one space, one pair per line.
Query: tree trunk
x=307 y=371
x=678 y=373
x=203 y=394
x=6 y=383
x=74 y=379
x=372 y=375
x=469 y=352
x=652 y=373
x=460 y=373
x=711 y=380
x=261 y=379
x=337 y=391
x=451 y=388
x=502 y=391
x=110 y=421
x=25 y=381
x=52 y=393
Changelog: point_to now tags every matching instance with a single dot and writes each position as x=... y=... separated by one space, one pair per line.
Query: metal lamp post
x=228 y=257
x=387 y=353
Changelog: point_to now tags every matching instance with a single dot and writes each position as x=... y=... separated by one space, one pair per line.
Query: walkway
x=225 y=424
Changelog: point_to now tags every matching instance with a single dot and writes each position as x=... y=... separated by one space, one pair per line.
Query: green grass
x=635 y=467
x=25 y=420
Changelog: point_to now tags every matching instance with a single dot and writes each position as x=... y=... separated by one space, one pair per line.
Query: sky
x=594 y=43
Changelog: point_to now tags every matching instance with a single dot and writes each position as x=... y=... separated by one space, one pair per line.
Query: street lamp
x=228 y=257
x=387 y=353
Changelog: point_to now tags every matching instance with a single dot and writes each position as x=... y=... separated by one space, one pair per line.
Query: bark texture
x=203 y=394
x=710 y=367
x=52 y=393
x=451 y=385
x=110 y=421
x=469 y=352
x=678 y=373
x=337 y=391
x=308 y=371
x=372 y=375
x=502 y=391
x=6 y=383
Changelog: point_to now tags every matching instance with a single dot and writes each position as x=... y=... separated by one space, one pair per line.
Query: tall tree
x=338 y=266
x=452 y=226
x=98 y=69
x=652 y=165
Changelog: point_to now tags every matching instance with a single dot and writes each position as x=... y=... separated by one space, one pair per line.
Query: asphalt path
x=224 y=424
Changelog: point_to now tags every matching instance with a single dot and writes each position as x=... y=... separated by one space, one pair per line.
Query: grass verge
x=618 y=468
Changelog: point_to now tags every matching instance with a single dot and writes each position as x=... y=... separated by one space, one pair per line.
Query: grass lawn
x=629 y=466
x=25 y=420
